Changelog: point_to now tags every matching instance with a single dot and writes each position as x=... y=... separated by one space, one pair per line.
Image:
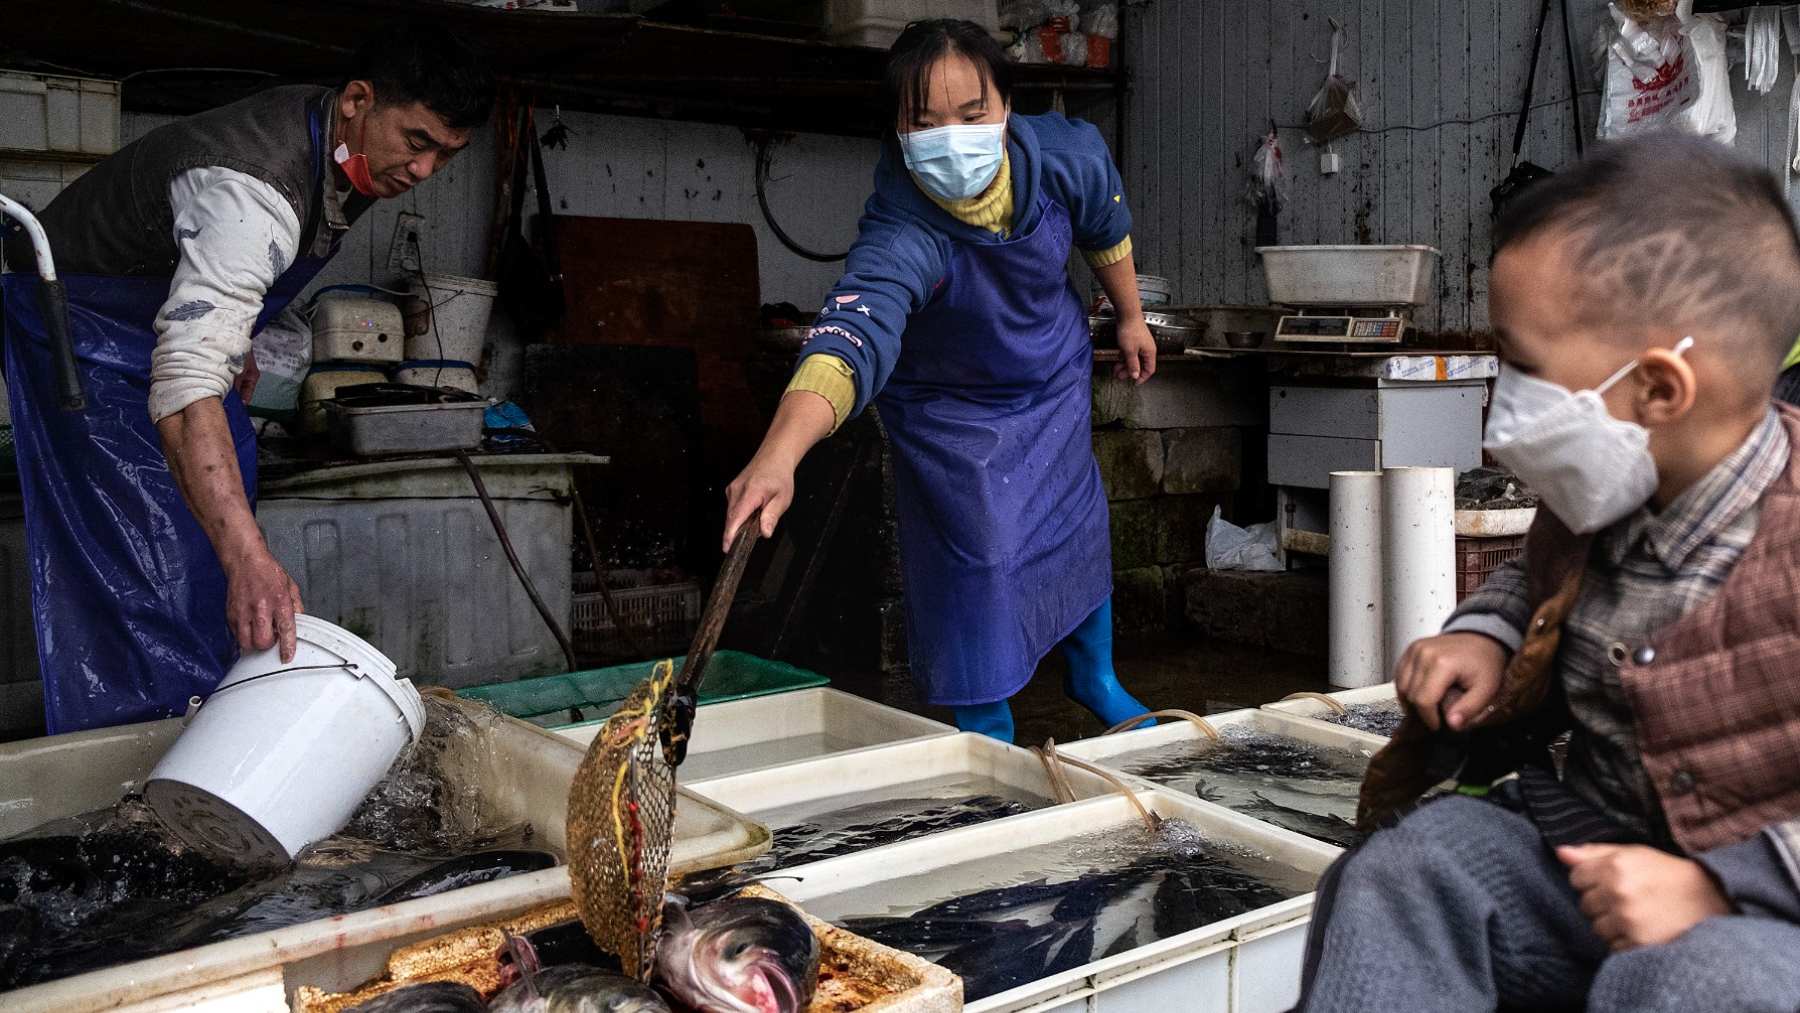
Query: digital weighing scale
x=1344 y=326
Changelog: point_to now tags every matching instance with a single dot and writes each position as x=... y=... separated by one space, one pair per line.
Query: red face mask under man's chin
x=356 y=167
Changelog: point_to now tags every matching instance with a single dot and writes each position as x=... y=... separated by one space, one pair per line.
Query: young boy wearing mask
x=1643 y=302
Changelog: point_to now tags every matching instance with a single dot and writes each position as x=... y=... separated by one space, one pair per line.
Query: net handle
x=1199 y=722
x=1327 y=700
x=718 y=606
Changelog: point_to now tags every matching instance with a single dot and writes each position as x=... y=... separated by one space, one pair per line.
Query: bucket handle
x=345 y=663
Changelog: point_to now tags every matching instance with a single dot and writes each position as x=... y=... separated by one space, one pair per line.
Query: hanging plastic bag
x=1762 y=49
x=1229 y=547
x=283 y=354
x=1334 y=112
x=1668 y=72
x=1102 y=20
x=1268 y=188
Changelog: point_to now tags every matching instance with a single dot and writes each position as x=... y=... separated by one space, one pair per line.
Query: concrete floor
x=1187 y=672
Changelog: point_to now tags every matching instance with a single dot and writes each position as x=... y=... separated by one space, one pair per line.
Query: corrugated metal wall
x=1440 y=83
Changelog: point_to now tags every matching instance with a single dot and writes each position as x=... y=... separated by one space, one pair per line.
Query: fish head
x=743 y=955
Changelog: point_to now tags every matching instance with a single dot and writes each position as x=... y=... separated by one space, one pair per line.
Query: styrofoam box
x=525 y=773
x=402 y=554
x=40 y=112
x=877 y=23
x=849 y=775
x=1313 y=711
x=773 y=731
x=1247 y=964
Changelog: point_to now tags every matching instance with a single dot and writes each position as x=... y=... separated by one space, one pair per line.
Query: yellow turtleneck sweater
x=832 y=378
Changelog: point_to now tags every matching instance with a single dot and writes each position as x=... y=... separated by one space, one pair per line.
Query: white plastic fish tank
x=1103 y=951
x=874 y=797
x=770 y=731
x=1372 y=709
x=524 y=771
x=1301 y=775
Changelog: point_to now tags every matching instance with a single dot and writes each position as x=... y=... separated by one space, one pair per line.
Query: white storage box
x=1248 y=963
x=358 y=329
x=1103 y=749
x=782 y=797
x=526 y=776
x=877 y=23
x=77 y=115
x=773 y=731
x=401 y=553
x=1343 y=276
x=1310 y=709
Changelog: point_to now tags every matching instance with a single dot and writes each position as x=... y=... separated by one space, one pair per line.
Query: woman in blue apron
x=957 y=317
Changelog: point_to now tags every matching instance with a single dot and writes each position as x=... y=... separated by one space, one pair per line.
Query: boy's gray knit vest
x=116 y=219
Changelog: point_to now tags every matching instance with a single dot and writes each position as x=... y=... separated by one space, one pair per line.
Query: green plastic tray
x=556 y=700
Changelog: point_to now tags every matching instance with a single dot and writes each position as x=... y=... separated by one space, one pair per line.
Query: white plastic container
x=357 y=329
x=322 y=384
x=457 y=326
x=281 y=754
x=426 y=373
x=41 y=112
x=1103 y=749
x=1248 y=963
x=1341 y=276
x=774 y=731
x=782 y=796
x=523 y=771
x=877 y=23
x=1315 y=711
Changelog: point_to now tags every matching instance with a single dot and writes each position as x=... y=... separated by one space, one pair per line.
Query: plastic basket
x=1478 y=558
x=555 y=700
x=662 y=619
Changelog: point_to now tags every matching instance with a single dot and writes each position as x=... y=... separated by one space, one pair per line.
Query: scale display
x=1386 y=330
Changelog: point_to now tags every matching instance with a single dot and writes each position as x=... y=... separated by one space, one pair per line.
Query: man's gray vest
x=116 y=219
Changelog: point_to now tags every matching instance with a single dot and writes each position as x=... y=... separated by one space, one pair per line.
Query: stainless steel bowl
x=1244 y=339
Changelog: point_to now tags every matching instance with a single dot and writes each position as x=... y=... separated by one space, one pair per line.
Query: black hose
x=1574 y=80
x=537 y=600
x=763 y=161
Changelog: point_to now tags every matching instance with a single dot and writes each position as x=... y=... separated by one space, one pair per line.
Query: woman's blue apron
x=1004 y=540
x=127 y=594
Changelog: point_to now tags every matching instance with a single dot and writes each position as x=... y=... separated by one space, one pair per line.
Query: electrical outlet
x=403 y=251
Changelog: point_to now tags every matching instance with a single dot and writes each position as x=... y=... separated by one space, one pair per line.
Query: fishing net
x=620 y=822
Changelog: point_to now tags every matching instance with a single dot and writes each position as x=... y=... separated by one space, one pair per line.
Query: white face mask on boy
x=1590 y=469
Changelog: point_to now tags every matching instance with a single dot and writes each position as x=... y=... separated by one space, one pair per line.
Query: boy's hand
x=1469 y=664
x=1638 y=896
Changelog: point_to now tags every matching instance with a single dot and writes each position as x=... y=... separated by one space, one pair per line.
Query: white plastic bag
x=1229 y=547
x=1334 y=111
x=1668 y=72
x=1102 y=20
x=283 y=354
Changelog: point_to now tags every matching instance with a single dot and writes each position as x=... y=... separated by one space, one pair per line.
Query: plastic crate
x=1478 y=558
x=554 y=700
x=664 y=615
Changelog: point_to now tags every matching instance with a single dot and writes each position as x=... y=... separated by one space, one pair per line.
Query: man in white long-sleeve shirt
x=149 y=572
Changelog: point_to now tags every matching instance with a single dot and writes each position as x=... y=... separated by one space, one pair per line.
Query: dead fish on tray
x=570 y=988
x=430 y=997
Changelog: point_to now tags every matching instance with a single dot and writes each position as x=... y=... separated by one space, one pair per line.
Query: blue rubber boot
x=1092 y=682
x=993 y=720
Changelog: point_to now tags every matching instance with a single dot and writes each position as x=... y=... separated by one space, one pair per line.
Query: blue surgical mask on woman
x=958 y=161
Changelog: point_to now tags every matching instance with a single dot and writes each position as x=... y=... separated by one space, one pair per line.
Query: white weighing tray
x=1248 y=963
x=526 y=774
x=771 y=731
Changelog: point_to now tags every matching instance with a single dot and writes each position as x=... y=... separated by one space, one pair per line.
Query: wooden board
x=664 y=284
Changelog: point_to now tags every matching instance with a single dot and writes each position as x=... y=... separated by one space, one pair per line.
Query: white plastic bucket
x=280 y=755
x=457 y=326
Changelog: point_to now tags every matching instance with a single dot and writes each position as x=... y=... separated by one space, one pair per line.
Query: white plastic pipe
x=1418 y=548
x=1358 y=630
